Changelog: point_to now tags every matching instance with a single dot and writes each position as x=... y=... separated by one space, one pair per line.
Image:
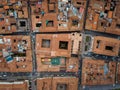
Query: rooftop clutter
x=15 y=54
x=67 y=15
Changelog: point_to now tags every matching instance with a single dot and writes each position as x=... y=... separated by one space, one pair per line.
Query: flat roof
x=16 y=54
x=106 y=46
x=98 y=72
x=48 y=82
x=21 y=85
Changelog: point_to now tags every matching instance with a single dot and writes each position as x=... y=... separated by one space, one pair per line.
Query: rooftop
x=102 y=45
x=15 y=54
x=61 y=15
x=54 y=52
x=22 y=85
x=103 y=16
x=13 y=16
x=58 y=83
x=98 y=72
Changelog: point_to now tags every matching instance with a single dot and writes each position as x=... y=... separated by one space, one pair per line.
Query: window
x=1 y=19
x=22 y=23
x=75 y=22
x=14 y=40
x=63 y=45
x=79 y=45
x=102 y=23
x=118 y=25
x=98 y=43
x=106 y=11
x=49 y=23
x=46 y=43
x=24 y=41
x=18 y=54
x=109 y=24
x=3 y=27
x=119 y=53
x=109 y=48
x=13 y=24
x=86 y=48
x=72 y=45
x=37 y=16
x=61 y=87
x=79 y=3
x=38 y=24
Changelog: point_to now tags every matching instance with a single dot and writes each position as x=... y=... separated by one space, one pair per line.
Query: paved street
x=32 y=76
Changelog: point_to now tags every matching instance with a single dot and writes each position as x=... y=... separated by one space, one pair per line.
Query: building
x=101 y=45
x=13 y=16
x=98 y=72
x=15 y=55
x=17 y=85
x=57 y=15
x=53 y=45
x=53 y=52
x=57 y=83
x=76 y=43
x=103 y=16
